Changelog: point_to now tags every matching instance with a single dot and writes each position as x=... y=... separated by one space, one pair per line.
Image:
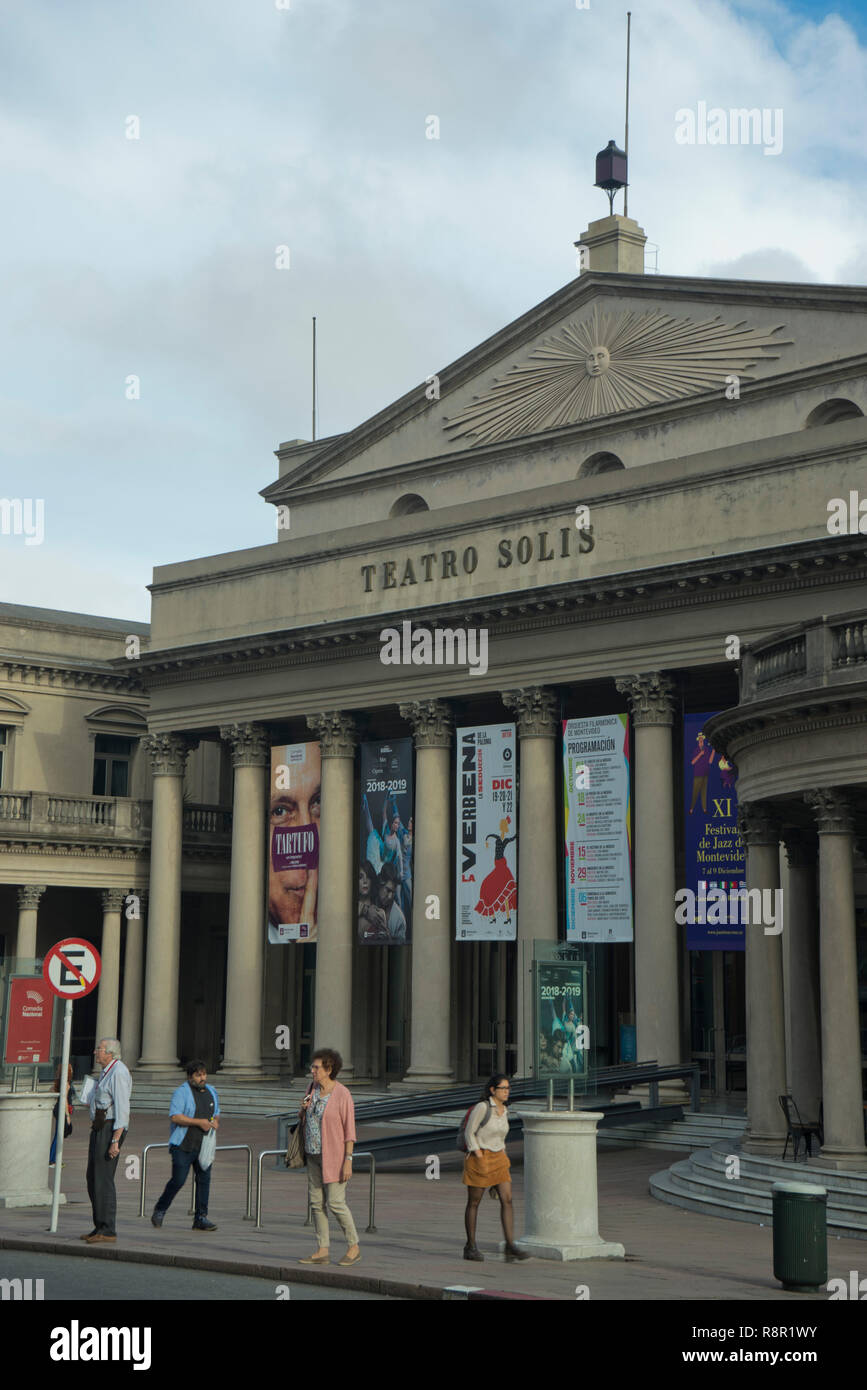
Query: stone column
x=536 y=711
x=332 y=1018
x=133 y=976
x=766 y=1034
x=168 y=756
x=657 y=953
x=838 y=969
x=108 y=989
x=430 y=1053
x=801 y=966
x=242 y=1051
x=28 y=908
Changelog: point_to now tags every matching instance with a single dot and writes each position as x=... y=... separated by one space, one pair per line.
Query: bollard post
x=551 y=1093
x=571 y=1093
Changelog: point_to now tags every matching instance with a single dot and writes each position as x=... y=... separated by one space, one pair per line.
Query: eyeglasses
x=504 y=1086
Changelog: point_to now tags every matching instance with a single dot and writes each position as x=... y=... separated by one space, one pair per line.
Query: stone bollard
x=25 y=1141
x=560 y=1199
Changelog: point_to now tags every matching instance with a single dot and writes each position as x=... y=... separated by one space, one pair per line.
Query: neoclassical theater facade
x=608 y=492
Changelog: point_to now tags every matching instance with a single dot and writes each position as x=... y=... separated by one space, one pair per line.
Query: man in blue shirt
x=193 y=1109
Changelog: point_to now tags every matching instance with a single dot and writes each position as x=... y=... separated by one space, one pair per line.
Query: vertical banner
x=487 y=834
x=293 y=842
x=385 y=851
x=596 y=769
x=29 y=1020
x=715 y=855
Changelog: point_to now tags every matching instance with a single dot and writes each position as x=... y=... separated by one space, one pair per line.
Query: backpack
x=462 y=1137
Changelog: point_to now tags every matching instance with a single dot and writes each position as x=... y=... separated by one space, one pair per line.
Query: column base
x=242 y=1071
x=768 y=1144
x=38 y=1197
x=852 y=1160
x=416 y=1081
x=588 y=1249
x=162 y=1065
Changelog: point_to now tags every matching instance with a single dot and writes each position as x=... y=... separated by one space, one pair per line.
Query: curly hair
x=331 y=1060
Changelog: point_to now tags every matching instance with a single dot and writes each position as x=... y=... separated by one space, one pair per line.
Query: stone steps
x=699 y=1184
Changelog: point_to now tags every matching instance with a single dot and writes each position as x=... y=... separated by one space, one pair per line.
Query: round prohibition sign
x=72 y=968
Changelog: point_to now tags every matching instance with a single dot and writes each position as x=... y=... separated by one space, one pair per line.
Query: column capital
x=336 y=733
x=802 y=848
x=29 y=895
x=168 y=753
x=536 y=709
x=832 y=809
x=650 y=695
x=249 y=743
x=113 y=899
x=758 y=824
x=431 y=722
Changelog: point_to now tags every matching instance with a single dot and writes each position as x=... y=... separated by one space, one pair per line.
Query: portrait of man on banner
x=293 y=842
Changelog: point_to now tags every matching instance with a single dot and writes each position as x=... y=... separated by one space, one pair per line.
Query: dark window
x=111 y=761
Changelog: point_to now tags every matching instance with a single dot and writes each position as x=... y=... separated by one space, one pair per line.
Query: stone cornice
x=54 y=675
x=779 y=569
x=81 y=849
x=827 y=707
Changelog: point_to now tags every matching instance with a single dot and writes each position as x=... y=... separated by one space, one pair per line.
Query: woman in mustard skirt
x=486 y=1165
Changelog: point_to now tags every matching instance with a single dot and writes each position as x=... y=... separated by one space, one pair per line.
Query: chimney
x=613 y=243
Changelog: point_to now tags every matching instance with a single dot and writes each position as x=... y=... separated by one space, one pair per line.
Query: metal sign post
x=71 y=969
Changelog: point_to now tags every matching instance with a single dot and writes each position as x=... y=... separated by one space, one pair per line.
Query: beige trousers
x=334 y=1195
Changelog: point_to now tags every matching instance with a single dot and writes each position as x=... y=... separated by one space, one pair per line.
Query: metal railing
x=221 y=1148
x=371 y=1205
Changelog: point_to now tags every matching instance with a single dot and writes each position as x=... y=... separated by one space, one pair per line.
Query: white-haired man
x=109 y=1121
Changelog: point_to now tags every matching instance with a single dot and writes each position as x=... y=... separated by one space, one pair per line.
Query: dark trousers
x=100 y=1179
x=181 y=1163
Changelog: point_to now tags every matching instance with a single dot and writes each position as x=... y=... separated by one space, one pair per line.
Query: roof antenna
x=626 y=134
x=314 y=376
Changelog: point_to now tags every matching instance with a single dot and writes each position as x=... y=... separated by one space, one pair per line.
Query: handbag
x=296 y=1153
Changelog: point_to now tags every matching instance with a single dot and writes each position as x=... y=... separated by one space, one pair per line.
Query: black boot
x=513 y=1253
x=471 y=1252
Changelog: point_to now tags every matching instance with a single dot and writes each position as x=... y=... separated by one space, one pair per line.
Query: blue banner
x=714 y=849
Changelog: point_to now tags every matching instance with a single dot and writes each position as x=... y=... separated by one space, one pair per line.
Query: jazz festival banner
x=384 y=913
x=487 y=834
x=715 y=856
x=293 y=842
x=596 y=772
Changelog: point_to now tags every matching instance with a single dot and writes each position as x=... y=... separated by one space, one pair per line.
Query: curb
x=281 y=1274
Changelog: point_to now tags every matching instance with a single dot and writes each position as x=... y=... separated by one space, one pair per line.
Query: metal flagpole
x=61 y=1112
x=626 y=135
x=314 y=376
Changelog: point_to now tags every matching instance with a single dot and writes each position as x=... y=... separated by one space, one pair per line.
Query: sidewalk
x=416 y=1250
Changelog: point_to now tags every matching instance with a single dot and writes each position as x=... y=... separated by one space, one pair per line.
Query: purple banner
x=714 y=849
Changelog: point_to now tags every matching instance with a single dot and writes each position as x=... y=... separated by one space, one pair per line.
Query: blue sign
x=714 y=849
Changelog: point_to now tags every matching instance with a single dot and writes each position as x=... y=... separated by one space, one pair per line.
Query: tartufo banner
x=293 y=842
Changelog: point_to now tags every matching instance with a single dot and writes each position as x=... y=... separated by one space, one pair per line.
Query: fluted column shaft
x=332 y=1019
x=657 y=997
x=838 y=966
x=801 y=966
x=168 y=755
x=108 y=989
x=28 y=911
x=430 y=1053
x=536 y=712
x=242 y=1053
x=766 y=1032
x=133 y=976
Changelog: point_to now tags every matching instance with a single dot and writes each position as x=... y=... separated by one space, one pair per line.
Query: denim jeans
x=181 y=1162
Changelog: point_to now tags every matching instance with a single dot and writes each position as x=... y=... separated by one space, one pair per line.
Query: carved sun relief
x=612 y=362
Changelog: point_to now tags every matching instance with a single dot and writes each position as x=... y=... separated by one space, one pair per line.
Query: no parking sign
x=72 y=968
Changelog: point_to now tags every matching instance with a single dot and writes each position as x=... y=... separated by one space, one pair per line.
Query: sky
x=156 y=345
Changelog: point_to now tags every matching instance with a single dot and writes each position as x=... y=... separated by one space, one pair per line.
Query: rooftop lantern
x=611 y=172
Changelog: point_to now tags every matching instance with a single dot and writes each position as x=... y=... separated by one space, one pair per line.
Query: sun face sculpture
x=606 y=363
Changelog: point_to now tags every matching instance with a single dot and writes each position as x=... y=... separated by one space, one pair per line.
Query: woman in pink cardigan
x=329 y=1138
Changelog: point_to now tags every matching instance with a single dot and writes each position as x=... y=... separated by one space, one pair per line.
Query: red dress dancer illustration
x=498 y=892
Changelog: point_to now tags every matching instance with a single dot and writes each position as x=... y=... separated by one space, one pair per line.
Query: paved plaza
x=416 y=1249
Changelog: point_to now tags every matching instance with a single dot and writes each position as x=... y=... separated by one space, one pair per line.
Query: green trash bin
x=800 y=1236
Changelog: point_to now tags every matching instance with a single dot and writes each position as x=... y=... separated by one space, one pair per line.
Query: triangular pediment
x=605 y=346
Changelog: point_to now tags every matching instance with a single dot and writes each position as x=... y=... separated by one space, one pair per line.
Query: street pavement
x=415 y=1251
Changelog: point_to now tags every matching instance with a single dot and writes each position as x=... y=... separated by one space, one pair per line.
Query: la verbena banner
x=487 y=834
x=598 y=851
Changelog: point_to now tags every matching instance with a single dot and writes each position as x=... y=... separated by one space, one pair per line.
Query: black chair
x=797 y=1129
